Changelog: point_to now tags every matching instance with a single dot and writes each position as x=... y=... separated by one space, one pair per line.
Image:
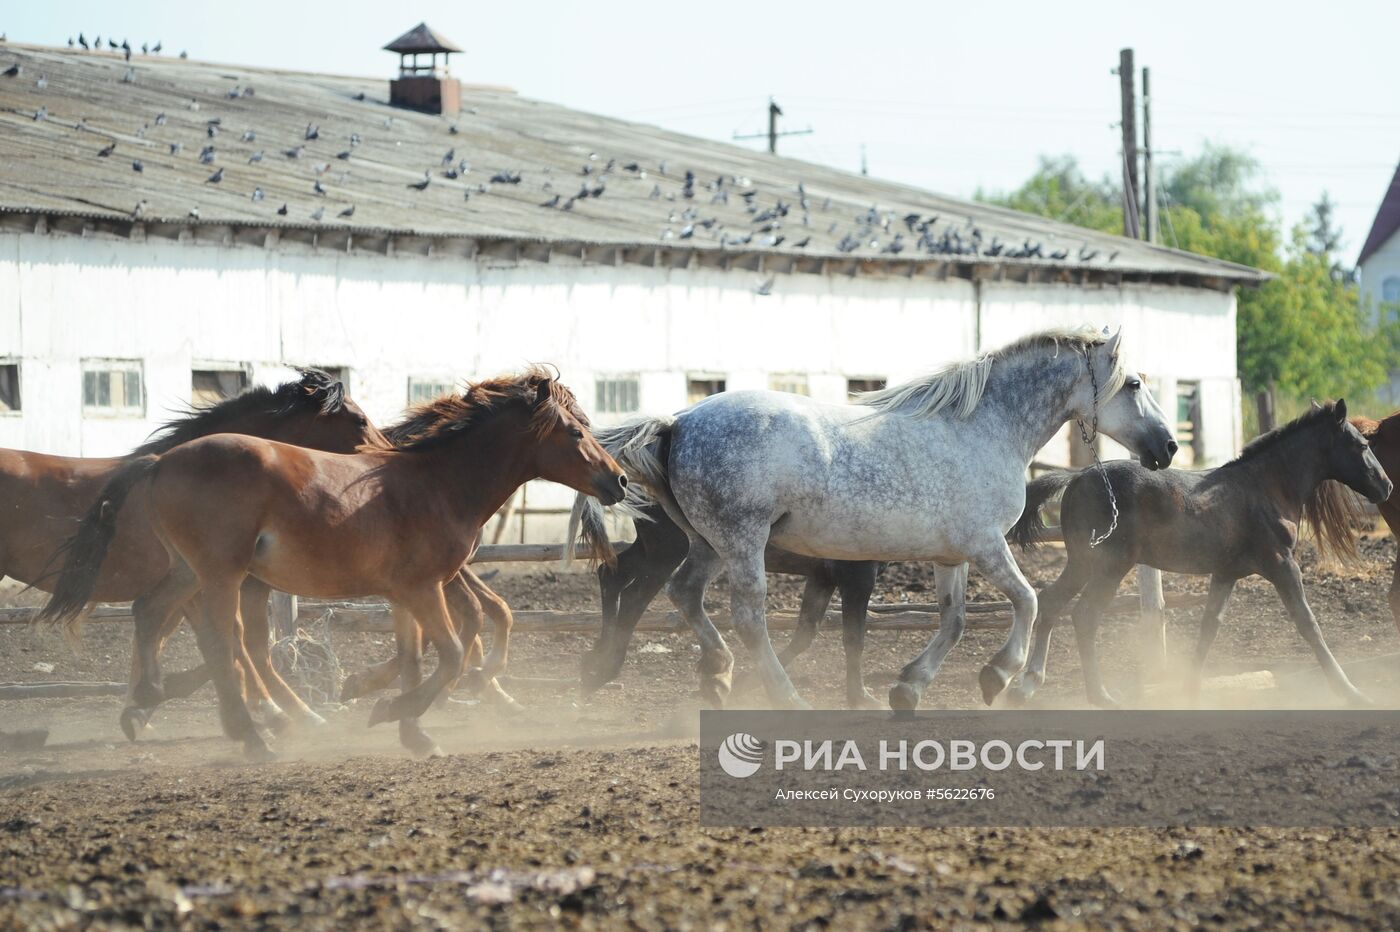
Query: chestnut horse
x=1384 y=438
x=43 y=498
x=398 y=523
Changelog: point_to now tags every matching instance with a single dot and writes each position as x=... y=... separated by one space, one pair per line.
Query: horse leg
x=216 y=632
x=687 y=592
x=1097 y=595
x=857 y=582
x=257 y=640
x=1390 y=511
x=816 y=596
x=373 y=678
x=748 y=588
x=153 y=613
x=1052 y=602
x=465 y=610
x=1288 y=580
x=1220 y=589
x=1152 y=614
x=408 y=643
x=951 y=584
x=999 y=566
x=502 y=620
x=626 y=591
x=430 y=611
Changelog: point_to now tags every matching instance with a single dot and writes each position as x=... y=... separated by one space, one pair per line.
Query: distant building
x=409 y=250
x=1379 y=265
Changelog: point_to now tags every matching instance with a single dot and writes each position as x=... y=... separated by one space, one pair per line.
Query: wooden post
x=1126 y=83
x=283 y=614
x=1149 y=183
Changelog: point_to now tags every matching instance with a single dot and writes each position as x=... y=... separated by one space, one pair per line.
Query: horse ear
x=542 y=390
x=1113 y=341
x=1340 y=410
x=1315 y=405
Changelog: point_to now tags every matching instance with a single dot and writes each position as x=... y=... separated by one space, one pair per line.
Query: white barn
x=1378 y=266
x=690 y=266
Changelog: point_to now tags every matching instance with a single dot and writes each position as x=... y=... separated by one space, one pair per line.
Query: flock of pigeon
x=693 y=212
x=113 y=45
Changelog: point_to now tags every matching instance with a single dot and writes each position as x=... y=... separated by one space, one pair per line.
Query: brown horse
x=44 y=497
x=1384 y=438
x=397 y=523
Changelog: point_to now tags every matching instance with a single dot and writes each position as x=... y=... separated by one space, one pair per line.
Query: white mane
x=959 y=386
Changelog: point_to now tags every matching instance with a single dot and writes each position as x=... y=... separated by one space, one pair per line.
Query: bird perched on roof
x=113 y=43
x=347 y=212
x=97 y=43
x=83 y=42
x=257 y=195
x=215 y=178
x=766 y=288
x=655 y=191
x=43 y=82
x=136 y=165
x=206 y=155
x=156 y=48
x=1060 y=254
x=895 y=246
x=255 y=157
x=421 y=185
x=688 y=231
x=553 y=201
x=774 y=240
x=848 y=243
x=282 y=211
x=359 y=96
x=294 y=152
x=12 y=71
x=343 y=156
x=449 y=156
x=41 y=114
x=313 y=131
x=211 y=129
x=505 y=176
x=318 y=213
x=802 y=243
x=139 y=209
x=175 y=147
x=194 y=212
x=249 y=135
x=354 y=140
x=145 y=49
x=126 y=48
x=1086 y=254
x=318 y=187
x=107 y=150
x=160 y=118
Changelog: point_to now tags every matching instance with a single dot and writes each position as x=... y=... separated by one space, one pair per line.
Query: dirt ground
x=585 y=813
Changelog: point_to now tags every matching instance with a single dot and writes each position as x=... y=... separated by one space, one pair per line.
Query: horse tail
x=1333 y=512
x=87 y=549
x=1029 y=532
x=639 y=447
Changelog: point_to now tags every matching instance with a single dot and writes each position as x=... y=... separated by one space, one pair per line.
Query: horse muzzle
x=611 y=489
x=1158 y=455
x=1381 y=487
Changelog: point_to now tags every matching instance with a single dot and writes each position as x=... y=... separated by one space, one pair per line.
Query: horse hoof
x=147 y=695
x=134 y=721
x=1105 y=700
x=993 y=683
x=259 y=753
x=903 y=697
x=866 y=700
x=714 y=690
x=352 y=688
x=277 y=722
x=310 y=719
x=383 y=711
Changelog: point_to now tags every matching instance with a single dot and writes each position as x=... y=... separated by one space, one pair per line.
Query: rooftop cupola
x=425 y=85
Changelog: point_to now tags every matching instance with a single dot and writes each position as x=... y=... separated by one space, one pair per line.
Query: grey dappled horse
x=933 y=469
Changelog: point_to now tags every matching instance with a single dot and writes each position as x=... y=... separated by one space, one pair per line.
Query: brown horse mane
x=1332 y=512
x=432 y=424
x=315 y=391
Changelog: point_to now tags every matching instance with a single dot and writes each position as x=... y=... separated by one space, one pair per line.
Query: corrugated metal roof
x=296 y=150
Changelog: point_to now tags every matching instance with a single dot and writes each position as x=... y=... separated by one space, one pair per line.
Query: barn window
x=427 y=388
x=617 y=394
x=703 y=385
x=855 y=387
x=211 y=386
x=113 y=387
x=792 y=383
x=1188 y=422
x=9 y=387
x=1390 y=290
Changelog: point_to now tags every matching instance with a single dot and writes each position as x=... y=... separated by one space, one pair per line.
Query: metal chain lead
x=1089 y=435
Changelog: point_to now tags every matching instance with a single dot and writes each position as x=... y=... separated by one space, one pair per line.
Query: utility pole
x=774 y=111
x=1126 y=74
x=1149 y=180
x=864 y=165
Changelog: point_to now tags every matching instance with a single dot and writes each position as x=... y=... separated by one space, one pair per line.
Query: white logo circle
x=741 y=755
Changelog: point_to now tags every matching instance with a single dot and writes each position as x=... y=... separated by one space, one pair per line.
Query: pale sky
x=945 y=96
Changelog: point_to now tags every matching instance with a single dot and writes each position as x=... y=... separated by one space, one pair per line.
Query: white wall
x=66 y=298
x=1382 y=264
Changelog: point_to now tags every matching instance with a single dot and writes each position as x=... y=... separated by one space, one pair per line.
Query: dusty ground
x=586 y=814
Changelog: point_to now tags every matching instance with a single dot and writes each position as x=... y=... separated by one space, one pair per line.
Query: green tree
x=1303 y=333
